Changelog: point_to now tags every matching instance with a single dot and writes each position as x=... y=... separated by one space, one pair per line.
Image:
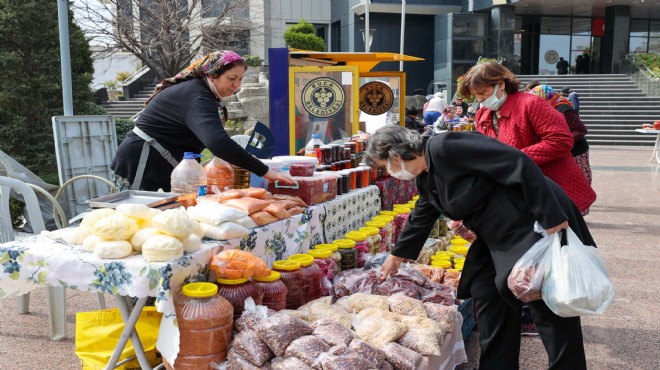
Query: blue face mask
x=493 y=103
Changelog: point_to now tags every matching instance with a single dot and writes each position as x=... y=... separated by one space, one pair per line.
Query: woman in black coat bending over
x=499 y=193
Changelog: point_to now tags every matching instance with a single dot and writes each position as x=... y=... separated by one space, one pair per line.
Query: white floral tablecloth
x=39 y=261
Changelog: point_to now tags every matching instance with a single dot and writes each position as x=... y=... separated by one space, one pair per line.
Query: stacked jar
x=382 y=231
x=360 y=239
x=389 y=226
x=274 y=290
x=441 y=263
x=373 y=238
x=312 y=276
x=402 y=218
x=205 y=323
x=293 y=279
x=348 y=253
x=335 y=255
x=236 y=291
x=323 y=259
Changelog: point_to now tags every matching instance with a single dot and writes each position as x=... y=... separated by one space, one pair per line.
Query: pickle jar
x=323 y=259
x=312 y=275
x=360 y=239
x=236 y=291
x=373 y=238
x=205 y=321
x=348 y=253
x=382 y=231
x=274 y=290
x=335 y=256
x=293 y=279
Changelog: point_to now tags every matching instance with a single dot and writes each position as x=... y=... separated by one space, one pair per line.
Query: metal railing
x=641 y=75
x=136 y=82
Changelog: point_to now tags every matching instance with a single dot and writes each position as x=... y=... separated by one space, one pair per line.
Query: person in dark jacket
x=562 y=67
x=182 y=115
x=499 y=193
x=572 y=96
x=411 y=120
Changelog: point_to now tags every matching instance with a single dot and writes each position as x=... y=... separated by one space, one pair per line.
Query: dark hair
x=486 y=75
x=412 y=111
x=531 y=84
x=393 y=141
x=228 y=66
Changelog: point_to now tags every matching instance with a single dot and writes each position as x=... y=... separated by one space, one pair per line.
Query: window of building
x=463 y=50
x=469 y=26
x=639 y=27
x=336 y=36
x=556 y=25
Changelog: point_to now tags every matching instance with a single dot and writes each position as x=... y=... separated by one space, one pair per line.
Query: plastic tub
x=293 y=279
x=348 y=253
x=236 y=291
x=315 y=189
x=287 y=160
x=274 y=290
x=302 y=169
x=312 y=276
x=361 y=246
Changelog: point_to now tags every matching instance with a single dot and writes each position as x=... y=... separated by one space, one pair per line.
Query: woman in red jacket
x=528 y=123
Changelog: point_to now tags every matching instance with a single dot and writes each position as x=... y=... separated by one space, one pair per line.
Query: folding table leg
x=23 y=302
x=130 y=319
x=56 y=297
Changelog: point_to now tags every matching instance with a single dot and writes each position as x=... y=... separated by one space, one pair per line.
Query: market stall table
x=656 y=147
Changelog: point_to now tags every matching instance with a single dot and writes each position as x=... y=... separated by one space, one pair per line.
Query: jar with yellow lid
x=382 y=231
x=373 y=238
x=445 y=255
x=389 y=226
x=458 y=250
x=400 y=219
x=443 y=264
x=361 y=246
x=236 y=291
x=292 y=277
x=205 y=321
x=459 y=241
x=274 y=290
x=335 y=255
x=348 y=253
x=322 y=259
x=312 y=276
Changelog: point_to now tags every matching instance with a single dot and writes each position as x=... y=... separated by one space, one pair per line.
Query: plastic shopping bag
x=576 y=281
x=97 y=333
x=526 y=278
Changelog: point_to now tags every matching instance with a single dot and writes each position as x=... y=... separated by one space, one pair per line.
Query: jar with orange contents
x=312 y=276
x=293 y=279
x=274 y=290
x=236 y=291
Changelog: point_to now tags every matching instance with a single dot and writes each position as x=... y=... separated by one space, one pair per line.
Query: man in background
x=562 y=67
x=572 y=96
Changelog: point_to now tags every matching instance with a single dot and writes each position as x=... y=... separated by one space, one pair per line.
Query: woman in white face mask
x=498 y=192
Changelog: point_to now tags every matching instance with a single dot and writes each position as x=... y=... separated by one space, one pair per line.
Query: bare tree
x=166 y=35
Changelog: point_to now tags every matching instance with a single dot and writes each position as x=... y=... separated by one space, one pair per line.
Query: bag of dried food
x=288 y=363
x=332 y=332
x=378 y=331
x=401 y=304
x=307 y=348
x=342 y=358
x=401 y=357
x=422 y=341
x=235 y=264
x=526 y=278
x=279 y=330
x=248 y=345
x=372 y=354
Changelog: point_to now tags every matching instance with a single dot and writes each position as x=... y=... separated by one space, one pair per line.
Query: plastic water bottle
x=189 y=176
x=313 y=147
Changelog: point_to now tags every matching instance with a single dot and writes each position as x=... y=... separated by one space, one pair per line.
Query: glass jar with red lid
x=294 y=280
x=236 y=291
x=312 y=275
x=274 y=290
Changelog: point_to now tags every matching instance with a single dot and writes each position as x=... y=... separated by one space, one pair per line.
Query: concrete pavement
x=625 y=221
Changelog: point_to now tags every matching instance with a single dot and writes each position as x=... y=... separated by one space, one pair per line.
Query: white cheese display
x=136 y=211
x=90 y=219
x=141 y=236
x=76 y=235
x=90 y=242
x=173 y=222
x=162 y=248
x=197 y=228
x=115 y=227
x=112 y=249
x=192 y=243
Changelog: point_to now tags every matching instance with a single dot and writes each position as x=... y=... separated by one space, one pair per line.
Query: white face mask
x=403 y=174
x=493 y=103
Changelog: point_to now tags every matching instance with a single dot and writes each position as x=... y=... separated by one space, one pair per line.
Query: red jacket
x=532 y=125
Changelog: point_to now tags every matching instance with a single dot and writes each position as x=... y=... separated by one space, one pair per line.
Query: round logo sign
x=375 y=98
x=323 y=97
x=551 y=56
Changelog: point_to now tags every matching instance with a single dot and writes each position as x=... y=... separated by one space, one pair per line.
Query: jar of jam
x=360 y=239
x=366 y=176
x=373 y=238
x=323 y=259
x=348 y=253
x=335 y=256
x=340 y=184
x=382 y=232
x=312 y=276
x=293 y=279
x=236 y=291
x=205 y=321
x=352 y=145
x=326 y=154
x=401 y=218
x=353 y=174
x=274 y=290
x=389 y=227
x=358 y=177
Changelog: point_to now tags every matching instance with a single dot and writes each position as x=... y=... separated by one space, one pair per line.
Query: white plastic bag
x=526 y=278
x=576 y=281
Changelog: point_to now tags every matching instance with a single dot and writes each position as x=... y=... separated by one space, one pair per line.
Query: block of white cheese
x=115 y=227
x=113 y=249
x=173 y=222
x=162 y=248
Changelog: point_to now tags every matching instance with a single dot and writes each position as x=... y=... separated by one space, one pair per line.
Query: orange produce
x=236 y=264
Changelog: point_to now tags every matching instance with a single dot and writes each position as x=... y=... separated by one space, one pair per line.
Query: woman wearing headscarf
x=580 y=151
x=182 y=115
x=527 y=123
x=499 y=193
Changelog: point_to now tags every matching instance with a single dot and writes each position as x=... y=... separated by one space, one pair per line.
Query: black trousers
x=499 y=329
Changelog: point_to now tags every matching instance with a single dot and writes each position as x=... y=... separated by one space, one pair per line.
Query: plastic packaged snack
x=401 y=304
x=320 y=310
x=451 y=278
x=248 y=345
x=409 y=272
x=235 y=264
x=445 y=315
x=355 y=281
x=422 y=341
x=302 y=315
x=401 y=357
x=372 y=354
x=279 y=330
x=359 y=301
x=378 y=331
x=288 y=363
x=248 y=205
x=262 y=218
x=306 y=348
x=367 y=312
x=277 y=210
x=238 y=362
x=332 y=332
x=424 y=323
x=346 y=360
x=395 y=285
x=432 y=273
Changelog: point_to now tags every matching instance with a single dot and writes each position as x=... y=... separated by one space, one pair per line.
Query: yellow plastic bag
x=97 y=333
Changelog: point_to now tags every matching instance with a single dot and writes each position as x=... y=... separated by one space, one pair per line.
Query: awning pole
x=403 y=30
x=65 y=56
x=366 y=26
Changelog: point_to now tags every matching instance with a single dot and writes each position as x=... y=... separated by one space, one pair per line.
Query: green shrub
x=16 y=212
x=303 y=36
x=123 y=126
x=253 y=60
x=122 y=76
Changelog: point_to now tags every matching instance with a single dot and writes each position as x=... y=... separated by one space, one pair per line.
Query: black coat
x=498 y=192
x=182 y=118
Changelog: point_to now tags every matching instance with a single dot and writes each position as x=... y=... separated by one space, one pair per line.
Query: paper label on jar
x=325 y=187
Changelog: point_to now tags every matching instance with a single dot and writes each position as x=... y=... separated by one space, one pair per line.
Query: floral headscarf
x=206 y=65
x=548 y=93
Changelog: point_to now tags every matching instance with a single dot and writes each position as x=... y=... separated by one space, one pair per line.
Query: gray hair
x=394 y=141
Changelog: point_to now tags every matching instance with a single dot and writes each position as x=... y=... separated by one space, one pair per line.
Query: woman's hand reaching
x=282 y=178
x=390 y=267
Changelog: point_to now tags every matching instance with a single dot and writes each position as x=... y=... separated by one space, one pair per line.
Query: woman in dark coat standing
x=499 y=193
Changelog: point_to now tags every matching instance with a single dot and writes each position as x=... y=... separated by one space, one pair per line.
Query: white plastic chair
x=56 y=296
x=242 y=140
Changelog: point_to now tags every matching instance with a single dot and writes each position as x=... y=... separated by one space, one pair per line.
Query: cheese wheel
x=115 y=227
x=142 y=236
x=161 y=248
x=136 y=211
x=90 y=242
x=192 y=243
x=113 y=249
x=197 y=229
x=76 y=235
x=173 y=222
x=90 y=219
